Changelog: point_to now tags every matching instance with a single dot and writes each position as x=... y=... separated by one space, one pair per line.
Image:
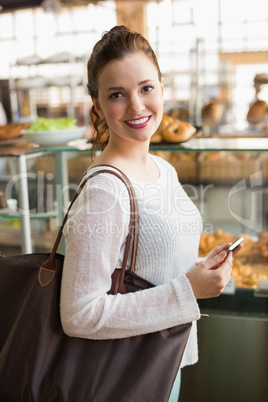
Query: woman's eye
x=147 y=88
x=116 y=95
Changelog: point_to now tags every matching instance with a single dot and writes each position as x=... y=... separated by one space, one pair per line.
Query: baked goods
x=214 y=156
x=260 y=79
x=228 y=167
x=173 y=130
x=178 y=131
x=166 y=120
x=10 y=130
x=250 y=264
x=157 y=136
x=212 y=113
x=257 y=111
x=103 y=139
x=181 y=114
x=208 y=241
x=248 y=276
x=241 y=273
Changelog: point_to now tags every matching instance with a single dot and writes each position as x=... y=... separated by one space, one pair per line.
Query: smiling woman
x=125 y=84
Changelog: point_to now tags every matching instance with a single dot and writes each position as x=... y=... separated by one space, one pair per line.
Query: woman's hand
x=219 y=249
x=209 y=278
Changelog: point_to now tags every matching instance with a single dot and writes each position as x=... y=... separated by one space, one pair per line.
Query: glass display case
x=35 y=193
x=227 y=179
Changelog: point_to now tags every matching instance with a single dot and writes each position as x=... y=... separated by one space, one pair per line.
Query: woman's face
x=130 y=98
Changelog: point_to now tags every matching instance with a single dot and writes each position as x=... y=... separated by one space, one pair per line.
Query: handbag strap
x=49 y=267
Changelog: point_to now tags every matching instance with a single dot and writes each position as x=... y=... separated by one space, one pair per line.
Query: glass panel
x=24 y=48
x=45 y=25
x=81 y=19
x=233 y=31
x=101 y=18
x=83 y=43
x=46 y=46
x=65 y=43
x=6 y=26
x=205 y=12
x=233 y=11
x=65 y=21
x=182 y=12
x=256 y=30
x=24 y=25
x=8 y=49
x=255 y=10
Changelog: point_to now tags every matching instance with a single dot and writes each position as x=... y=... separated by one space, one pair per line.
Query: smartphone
x=235 y=244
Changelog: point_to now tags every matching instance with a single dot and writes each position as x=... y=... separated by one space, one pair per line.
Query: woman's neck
x=133 y=160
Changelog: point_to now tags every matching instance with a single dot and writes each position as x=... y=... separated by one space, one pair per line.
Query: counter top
x=195 y=144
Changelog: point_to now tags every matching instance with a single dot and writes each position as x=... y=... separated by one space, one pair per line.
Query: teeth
x=139 y=121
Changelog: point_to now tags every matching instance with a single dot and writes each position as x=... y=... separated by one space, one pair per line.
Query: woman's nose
x=135 y=105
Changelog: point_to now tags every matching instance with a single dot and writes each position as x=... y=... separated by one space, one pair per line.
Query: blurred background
x=207 y=50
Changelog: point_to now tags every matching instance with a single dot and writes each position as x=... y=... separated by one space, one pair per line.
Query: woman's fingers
x=218 y=250
x=213 y=263
x=225 y=269
x=222 y=247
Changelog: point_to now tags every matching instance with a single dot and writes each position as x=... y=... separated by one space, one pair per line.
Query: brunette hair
x=114 y=45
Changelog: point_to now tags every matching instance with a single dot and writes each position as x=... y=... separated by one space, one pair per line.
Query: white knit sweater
x=96 y=231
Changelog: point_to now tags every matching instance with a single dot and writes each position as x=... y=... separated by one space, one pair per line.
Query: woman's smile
x=139 y=122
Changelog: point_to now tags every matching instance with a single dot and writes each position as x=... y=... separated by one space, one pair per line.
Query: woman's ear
x=97 y=107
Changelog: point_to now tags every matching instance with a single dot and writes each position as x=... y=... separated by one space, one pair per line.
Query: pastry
x=178 y=131
x=257 y=112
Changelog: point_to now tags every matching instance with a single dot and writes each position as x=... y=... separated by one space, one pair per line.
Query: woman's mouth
x=138 y=123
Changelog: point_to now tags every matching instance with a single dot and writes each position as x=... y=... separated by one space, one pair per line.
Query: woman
x=126 y=87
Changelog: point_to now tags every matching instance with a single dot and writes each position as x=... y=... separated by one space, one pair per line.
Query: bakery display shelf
x=216 y=144
x=5 y=213
x=40 y=239
x=218 y=161
x=217 y=168
x=36 y=76
x=248 y=303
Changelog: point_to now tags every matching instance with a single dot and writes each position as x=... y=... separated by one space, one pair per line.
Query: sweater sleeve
x=96 y=231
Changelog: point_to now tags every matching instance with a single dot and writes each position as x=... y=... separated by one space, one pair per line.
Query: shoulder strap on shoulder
x=48 y=268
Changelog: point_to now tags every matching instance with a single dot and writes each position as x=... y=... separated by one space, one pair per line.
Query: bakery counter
x=247 y=303
x=233 y=344
x=232 y=364
x=221 y=161
x=215 y=144
x=226 y=178
x=246 y=294
x=20 y=158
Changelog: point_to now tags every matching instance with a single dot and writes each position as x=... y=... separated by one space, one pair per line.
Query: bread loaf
x=212 y=113
x=257 y=111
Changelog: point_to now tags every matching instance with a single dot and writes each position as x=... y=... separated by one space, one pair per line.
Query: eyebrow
x=120 y=88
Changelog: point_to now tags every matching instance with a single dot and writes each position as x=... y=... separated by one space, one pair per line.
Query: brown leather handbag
x=39 y=363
